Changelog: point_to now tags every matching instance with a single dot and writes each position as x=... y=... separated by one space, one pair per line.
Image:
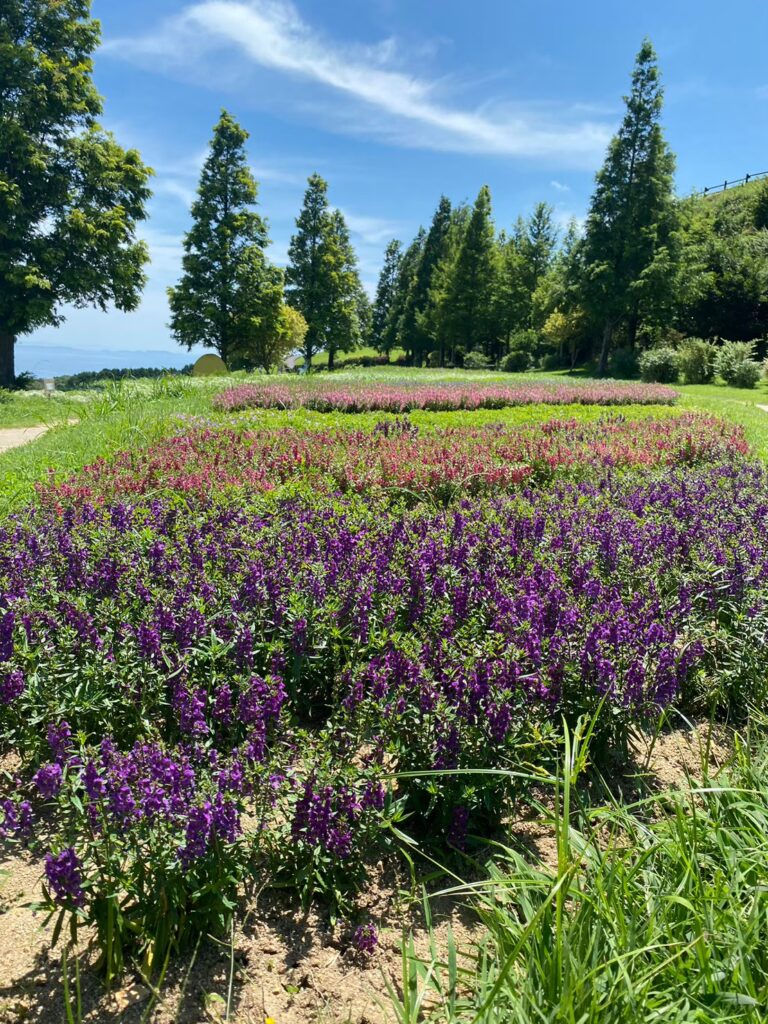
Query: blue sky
x=396 y=101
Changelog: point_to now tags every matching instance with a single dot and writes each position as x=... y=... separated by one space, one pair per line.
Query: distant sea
x=56 y=361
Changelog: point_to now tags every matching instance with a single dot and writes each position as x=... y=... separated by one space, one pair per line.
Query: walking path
x=12 y=437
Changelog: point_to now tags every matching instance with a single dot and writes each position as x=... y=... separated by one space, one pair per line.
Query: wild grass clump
x=655 y=911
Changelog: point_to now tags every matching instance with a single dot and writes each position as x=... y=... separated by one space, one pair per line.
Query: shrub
x=515 y=361
x=659 y=366
x=696 y=359
x=736 y=365
x=433 y=359
x=476 y=360
x=623 y=363
x=526 y=340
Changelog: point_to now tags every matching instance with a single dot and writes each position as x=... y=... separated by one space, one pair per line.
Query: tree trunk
x=632 y=327
x=602 y=366
x=331 y=354
x=7 y=352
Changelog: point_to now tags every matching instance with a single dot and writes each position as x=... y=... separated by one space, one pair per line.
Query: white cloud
x=560 y=186
x=271 y=34
x=373 y=230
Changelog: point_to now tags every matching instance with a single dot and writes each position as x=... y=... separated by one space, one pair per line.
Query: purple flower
x=365 y=938
x=48 y=779
x=63 y=873
x=59 y=740
x=17 y=819
x=11 y=685
x=198 y=834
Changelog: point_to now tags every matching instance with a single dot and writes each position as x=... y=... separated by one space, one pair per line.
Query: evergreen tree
x=433 y=252
x=512 y=295
x=469 y=302
x=257 y=312
x=401 y=328
x=631 y=218
x=323 y=281
x=307 y=271
x=381 y=338
x=434 y=319
x=70 y=196
x=227 y=282
x=537 y=245
x=347 y=299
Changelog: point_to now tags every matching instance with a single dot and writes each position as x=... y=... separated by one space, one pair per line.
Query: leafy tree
x=723 y=290
x=381 y=337
x=227 y=283
x=70 y=196
x=258 y=312
x=469 y=302
x=631 y=218
x=322 y=276
x=512 y=295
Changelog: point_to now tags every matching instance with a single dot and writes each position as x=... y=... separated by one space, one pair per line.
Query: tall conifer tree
x=226 y=278
x=632 y=216
x=469 y=303
x=381 y=337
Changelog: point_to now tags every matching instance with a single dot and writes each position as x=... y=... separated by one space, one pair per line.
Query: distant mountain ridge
x=56 y=361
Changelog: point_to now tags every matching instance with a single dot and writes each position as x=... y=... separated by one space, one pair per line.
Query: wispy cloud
x=372 y=230
x=559 y=186
x=271 y=34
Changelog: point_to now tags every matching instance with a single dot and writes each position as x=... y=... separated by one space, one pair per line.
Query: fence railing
x=711 y=189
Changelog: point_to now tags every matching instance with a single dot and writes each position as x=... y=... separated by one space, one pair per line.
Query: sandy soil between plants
x=287 y=965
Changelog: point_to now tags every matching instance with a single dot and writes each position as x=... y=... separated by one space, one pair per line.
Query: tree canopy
x=70 y=196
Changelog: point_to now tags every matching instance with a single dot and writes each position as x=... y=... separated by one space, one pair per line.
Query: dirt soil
x=289 y=966
x=14 y=437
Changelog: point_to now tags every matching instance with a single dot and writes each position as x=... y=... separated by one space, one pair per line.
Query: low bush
x=516 y=361
x=696 y=359
x=736 y=365
x=659 y=366
x=476 y=360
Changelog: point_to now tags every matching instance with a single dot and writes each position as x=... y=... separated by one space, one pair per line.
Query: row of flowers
x=170 y=671
x=406 y=395
x=397 y=455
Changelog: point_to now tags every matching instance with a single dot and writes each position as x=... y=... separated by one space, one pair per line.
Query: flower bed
x=202 y=689
x=397 y=455
x=408 y=395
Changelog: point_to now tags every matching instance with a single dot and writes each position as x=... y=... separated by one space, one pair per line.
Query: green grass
x=654 y=912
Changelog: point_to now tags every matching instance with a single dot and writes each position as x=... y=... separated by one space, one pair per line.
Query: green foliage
x=650 y=912
x=696 y=359
x=660 y=365
x=726 y=268
x=469 y=300
x=226 y=298
x=516 y=361
x=70 y=196
x=322 y=278
x=736 y=365
x=623 y=363
x=382 y=336
x=629 y=252
x=476 y=360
